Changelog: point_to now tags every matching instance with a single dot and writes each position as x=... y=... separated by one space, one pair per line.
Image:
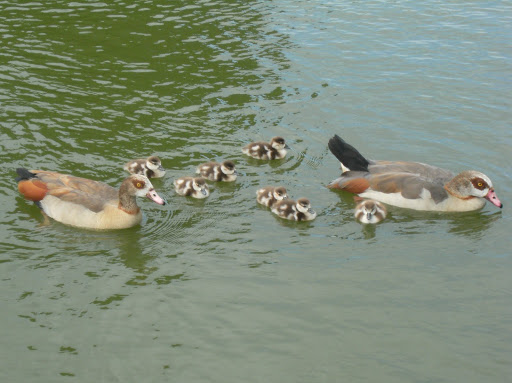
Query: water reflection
x=469 y=224
x=193 y=85
x=475 y=224
x=369 y=231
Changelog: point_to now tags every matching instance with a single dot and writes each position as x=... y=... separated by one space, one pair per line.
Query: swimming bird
x=370 y=211
x=192 y=186
x=271 y=194
x=215 y=171
x=150 y=167
x=275 y=149
x=299 y=210
x=410 y=185
x=86 y=203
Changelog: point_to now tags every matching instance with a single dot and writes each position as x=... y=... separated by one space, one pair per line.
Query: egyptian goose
x=299 y=210
x=192 y=186
x=150 y=167
x=269 y=195
x=275 y=149
x=410 y=184
x=86 y=203
x=370 y=211
x=215 y=171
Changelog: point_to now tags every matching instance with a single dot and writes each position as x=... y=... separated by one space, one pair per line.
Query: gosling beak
x=204 y=191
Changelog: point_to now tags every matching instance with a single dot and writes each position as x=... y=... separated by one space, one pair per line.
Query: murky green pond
x=221 y=290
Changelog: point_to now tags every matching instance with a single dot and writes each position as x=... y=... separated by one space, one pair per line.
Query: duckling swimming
x=299 y=210
x=192 y=186
x=150 y=167
x=215 y=171
x=275 y=149
x=270 y=195
x=370 y=211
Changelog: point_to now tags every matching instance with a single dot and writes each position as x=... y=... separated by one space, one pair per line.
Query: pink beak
x=493 y=198
x=153 y=196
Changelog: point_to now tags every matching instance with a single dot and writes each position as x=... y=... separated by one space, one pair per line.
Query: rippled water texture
x=220 y=290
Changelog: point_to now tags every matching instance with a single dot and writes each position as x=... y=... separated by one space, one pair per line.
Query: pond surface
x=221 y=290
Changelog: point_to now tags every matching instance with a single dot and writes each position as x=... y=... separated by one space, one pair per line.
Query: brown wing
x=425 y=171
x=409 y=185
x=353 y=185
x=32 y=189
x=352 y=181
x=81 y=191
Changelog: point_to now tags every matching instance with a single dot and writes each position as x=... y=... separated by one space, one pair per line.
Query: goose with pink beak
x=412 y=185
x=86 y=203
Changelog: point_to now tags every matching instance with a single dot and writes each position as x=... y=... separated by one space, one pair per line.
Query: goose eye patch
x=479 y=183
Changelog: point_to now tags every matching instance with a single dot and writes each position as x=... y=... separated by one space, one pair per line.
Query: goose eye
x=480 y=184
x=139 y=184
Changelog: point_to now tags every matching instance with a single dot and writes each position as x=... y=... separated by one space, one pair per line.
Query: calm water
x=221 y=290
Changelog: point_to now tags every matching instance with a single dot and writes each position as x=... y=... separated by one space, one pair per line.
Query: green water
x=221 y=290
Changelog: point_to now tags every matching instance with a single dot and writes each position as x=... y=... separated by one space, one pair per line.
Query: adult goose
x=86 y=203
x=411 y=185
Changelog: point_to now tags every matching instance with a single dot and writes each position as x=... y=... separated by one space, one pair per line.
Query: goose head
x=154 y=163
x=228 y=167
x=471 y=184
x=199 y=184
x=370 y=211
x=278 y=143
x=139 y=186
x=280 y=193
x=304 y=206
